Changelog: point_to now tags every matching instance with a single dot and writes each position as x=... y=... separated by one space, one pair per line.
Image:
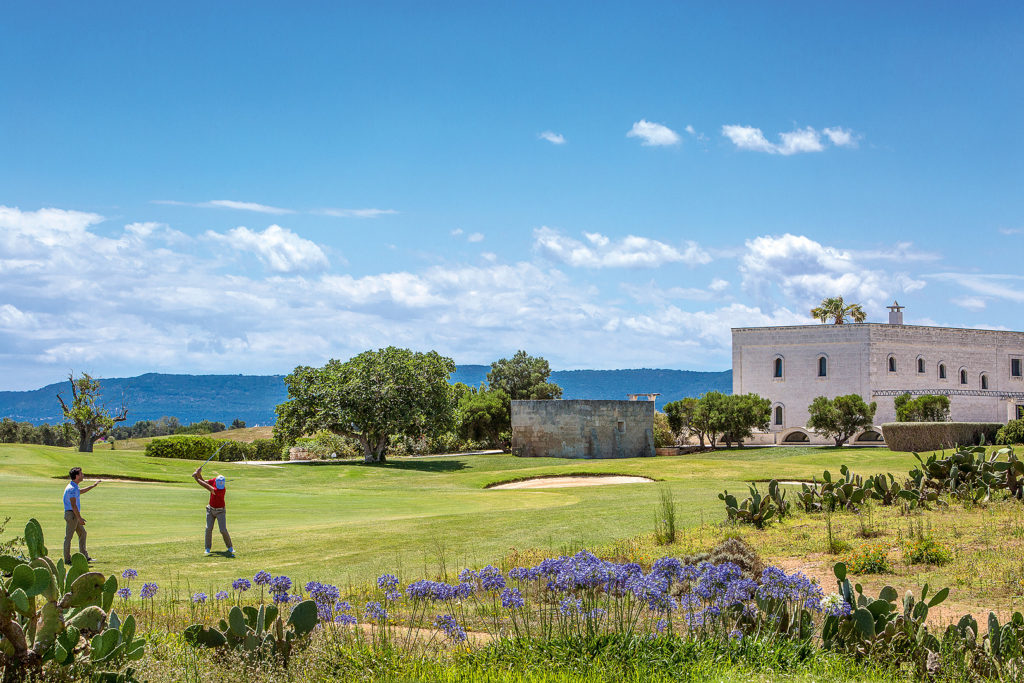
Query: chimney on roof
x=896 y=313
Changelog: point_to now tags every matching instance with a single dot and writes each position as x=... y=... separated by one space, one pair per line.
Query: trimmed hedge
x=202 y=447
x=183 y=447
x=931 y=436
x=1011 y=434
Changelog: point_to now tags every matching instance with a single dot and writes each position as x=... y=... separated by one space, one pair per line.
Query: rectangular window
x=1015 y=367
x=621 y=426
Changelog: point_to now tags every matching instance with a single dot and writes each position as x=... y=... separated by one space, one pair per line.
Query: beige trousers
x=72 y=527
x=220 y=515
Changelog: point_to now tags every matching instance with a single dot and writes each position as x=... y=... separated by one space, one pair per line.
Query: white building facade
x=982 y=371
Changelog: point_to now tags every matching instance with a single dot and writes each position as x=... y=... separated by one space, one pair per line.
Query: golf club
x=212 y=456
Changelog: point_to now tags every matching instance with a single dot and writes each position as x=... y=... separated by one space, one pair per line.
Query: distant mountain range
x=252 y=398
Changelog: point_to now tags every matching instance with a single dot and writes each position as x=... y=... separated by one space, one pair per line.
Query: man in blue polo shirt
x=74 y=522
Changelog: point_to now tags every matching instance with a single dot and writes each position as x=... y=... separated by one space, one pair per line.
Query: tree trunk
x=839 y=442
x=85 y=440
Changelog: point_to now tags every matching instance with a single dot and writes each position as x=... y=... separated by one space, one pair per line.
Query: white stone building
x=982 y=371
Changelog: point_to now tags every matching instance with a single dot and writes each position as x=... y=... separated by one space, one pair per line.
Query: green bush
x=266 y=449
x=927 y=551
x=233 y=451
x=931 y=436
x=1011 y=433
x=182 y=447
x=870 y=558
x=324 y=443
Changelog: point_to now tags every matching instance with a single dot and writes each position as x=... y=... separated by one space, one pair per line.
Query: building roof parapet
x=848 y=326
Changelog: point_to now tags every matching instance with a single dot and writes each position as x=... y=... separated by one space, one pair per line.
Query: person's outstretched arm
x=90 y=488
x=198 y=476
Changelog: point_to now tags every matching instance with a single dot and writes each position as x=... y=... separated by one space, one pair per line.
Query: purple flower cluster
x=375 y=611
x=262 y=578
x=129 y=574
x=124 y=593
x=280 y=584
x=570 y=606
x=241 y=585
x=511 y=598
x=794 y=588
x=491 y=578
x=438 y=590
x=387 y=581
x=148 y=590
x=221 y=595
x=451 y=628
x=199 y=598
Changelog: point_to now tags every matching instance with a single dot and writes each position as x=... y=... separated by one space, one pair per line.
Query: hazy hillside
x=252 y=398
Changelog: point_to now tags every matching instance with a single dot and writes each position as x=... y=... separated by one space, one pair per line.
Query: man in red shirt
x=215 y=510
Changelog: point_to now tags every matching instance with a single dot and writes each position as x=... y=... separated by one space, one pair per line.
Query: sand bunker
x=566 y=482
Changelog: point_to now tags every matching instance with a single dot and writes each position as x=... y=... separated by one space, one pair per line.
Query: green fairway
x=348 y=522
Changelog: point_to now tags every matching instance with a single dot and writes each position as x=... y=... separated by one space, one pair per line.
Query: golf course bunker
x=563 y=482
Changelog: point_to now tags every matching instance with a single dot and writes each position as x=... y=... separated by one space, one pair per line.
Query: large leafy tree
x=741 y=415
x=680 y=418
x=841 y=417
x=370 y=398
x=925 y=408
x=484 y=416
x=834 y=309
x=523 y=377
x=91 y=421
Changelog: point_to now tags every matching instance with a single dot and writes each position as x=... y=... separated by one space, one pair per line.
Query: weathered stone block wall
x=583 y=429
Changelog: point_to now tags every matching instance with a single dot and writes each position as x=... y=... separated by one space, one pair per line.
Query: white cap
x=220 y=481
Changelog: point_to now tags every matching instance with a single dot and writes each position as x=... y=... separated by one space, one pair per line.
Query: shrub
x=931 y=436
x=233 y=451
x=1011 y=433
x=663 y=436
x=869 y=559
x=927 y=551
x=182 y=447
x=924 y=408
x=734 y=550
x=266 y=449
x=324 y=443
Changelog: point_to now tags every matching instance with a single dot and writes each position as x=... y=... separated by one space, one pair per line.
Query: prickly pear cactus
x=259 y=632
x=60 y=614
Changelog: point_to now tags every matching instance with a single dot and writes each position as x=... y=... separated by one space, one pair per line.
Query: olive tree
x=370 y=398
x=523 y=377
x=841 y=417
x=89 y=419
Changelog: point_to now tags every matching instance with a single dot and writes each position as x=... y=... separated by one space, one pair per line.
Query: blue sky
x=244 y=187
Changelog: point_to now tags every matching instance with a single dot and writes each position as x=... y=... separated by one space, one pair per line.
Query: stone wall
x=583 y=429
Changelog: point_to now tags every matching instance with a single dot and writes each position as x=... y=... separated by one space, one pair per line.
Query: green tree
x=680 y=418
x=925 y=408
x=91 y=420
x=708 y=419
x=237 y=424
x=369 y=398
x=484 y=416
x=841 y=417
x=523 y=377
x=8 y=430
x=663 y=434
x=835 y=309
x=741 y=414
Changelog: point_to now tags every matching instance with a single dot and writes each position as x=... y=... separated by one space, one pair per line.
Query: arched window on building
x=778 y=416
x=892 y=363
x=984 y=381
x=822 y=366
x=778 y=368
x=942 y=371
x=920 y=365
x=963 y=375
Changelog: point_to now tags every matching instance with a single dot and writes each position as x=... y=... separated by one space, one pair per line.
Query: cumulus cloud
x=475 y=237
x=599 y=251
x=804 y=271
x=279 y=248
x=653 y=134
x=552 y=137
x=794 y=142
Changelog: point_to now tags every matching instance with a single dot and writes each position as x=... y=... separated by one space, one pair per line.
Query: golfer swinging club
x=215 y=510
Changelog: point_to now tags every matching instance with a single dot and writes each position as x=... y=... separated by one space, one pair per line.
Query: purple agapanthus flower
x=124 y=593
x=148 y=590
x=199 y=598
x=129 y=574
x=511 y=598
x=241 y=585
x=345 y=619
x=387 y=581
x=451 y=628
x=375 y=611
x=280 y=584
x=262 y=578
x=221 y=595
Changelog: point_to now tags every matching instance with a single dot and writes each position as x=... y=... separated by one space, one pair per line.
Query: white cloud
x=718 y=285
x=600 y=251
x=805 y=271
x=690 y=129
x=653 y=134
x=45 y=227
x=456 y=232
x=998 y=285
x=228 y=204
x=974 y=303
x=475 y=237
x=713 y=327
x=794 y=142
x=279 y=248
x=841 y=137
x=552 y=137
x=1011 y=231
x=355 y=213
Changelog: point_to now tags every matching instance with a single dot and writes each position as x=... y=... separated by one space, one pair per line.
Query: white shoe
x=207 y=552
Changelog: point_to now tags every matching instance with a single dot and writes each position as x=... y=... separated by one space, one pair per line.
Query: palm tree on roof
x=834 y=309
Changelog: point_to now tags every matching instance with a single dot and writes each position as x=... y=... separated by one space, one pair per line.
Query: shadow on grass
x=423 y=465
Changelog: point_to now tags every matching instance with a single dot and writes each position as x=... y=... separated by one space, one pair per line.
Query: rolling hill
x=252 y=398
